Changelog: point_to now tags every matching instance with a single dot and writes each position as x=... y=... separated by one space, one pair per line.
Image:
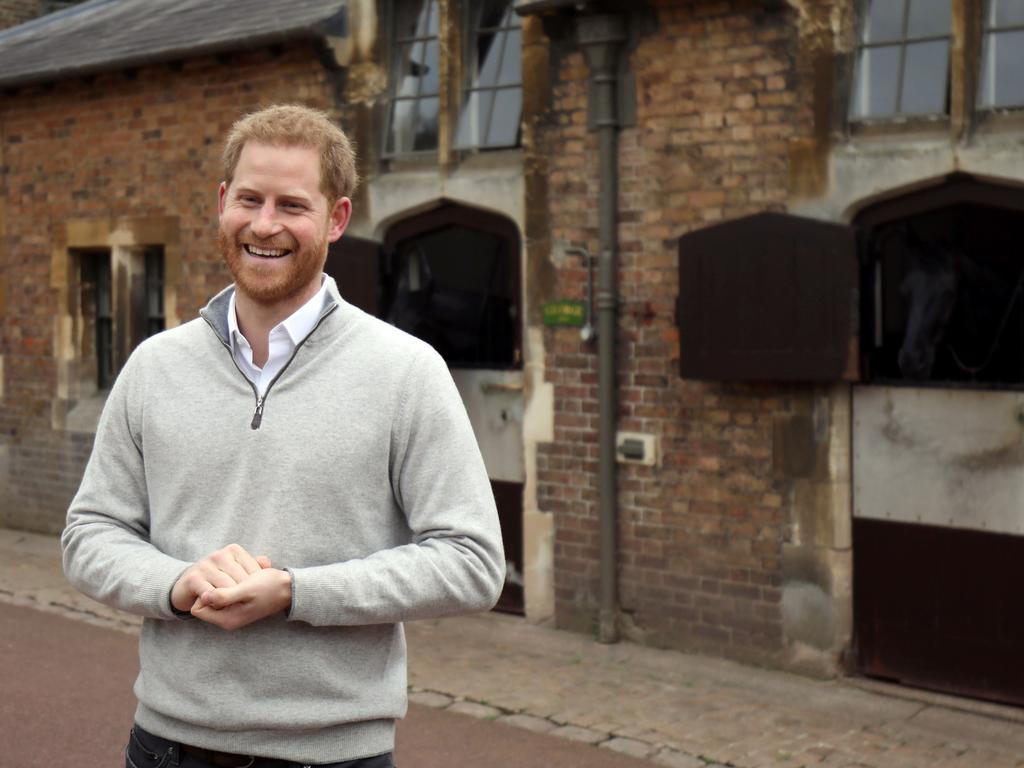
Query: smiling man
x=277 y=485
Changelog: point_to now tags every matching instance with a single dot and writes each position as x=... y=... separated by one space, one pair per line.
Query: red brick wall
x=719 y=96
x=145 y=143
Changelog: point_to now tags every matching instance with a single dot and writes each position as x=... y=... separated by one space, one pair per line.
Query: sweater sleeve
x=455 y=562
x=106 y=548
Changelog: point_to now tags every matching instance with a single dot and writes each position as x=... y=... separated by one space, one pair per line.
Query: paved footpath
x=666 y=708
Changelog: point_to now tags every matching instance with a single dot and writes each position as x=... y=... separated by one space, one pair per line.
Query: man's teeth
x=271 y=253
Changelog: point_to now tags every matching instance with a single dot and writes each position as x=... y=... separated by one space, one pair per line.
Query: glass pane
x=493 y=13
x=488 y=51
x=884 y=21
x=411 y=18
x=470 y=121
x=426 y=125
x=1005 y=13
x=504 y=130
x=874 y=85
x=429 y=69
x=929 y=18
x=401 y=127
x=925 y=76
x=408 y=69
x=430 y=27
x=511 y=71
x=1002 y=67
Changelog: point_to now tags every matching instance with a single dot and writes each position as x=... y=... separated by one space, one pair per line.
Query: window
x=414 y=105
x=1002 y=55
x=465 y=102
x=493 y=98
x=902 y=59
x=108 y=336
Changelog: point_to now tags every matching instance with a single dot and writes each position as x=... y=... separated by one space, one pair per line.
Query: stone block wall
x=722 y=95
x=140 y=146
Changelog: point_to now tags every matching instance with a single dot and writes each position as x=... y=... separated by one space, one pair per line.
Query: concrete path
x=667 y=708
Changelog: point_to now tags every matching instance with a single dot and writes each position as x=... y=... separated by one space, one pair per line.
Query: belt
x=229 y=759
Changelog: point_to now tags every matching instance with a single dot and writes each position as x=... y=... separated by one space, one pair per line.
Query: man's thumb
x=263 y=560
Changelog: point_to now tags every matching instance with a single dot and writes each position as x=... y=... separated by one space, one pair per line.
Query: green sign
x=570 y=313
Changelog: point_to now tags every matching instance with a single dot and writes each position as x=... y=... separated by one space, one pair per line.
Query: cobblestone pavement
x=673 y=709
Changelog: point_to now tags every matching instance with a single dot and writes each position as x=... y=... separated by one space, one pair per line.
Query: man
x=277 y=485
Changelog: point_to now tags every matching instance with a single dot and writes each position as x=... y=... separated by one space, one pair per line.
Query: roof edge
x=312 y=32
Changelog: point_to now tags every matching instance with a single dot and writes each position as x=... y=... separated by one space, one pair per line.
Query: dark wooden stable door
x=767 y=297
x=940 y=608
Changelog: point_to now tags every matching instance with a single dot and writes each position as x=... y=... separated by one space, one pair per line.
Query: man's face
x=275 y=224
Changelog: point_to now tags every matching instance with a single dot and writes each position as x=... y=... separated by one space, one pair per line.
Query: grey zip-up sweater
x=362 y=477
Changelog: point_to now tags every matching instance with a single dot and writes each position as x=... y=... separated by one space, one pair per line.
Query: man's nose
x=265 y=223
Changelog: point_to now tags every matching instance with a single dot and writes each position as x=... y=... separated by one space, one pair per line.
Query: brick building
x=749 y=443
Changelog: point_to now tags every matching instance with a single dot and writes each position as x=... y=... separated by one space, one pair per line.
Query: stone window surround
x=77 y=403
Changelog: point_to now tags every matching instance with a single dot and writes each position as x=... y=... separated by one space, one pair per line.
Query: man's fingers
x=212 y=577
x=221 y=598
x=247 y=562
x=225 y=561
x=263 y=560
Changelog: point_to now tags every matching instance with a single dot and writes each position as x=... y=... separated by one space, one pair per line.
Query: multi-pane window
x=109 y=334
x=1002 y=55
x=902 y=64
x=494 y=93
x=413 y=111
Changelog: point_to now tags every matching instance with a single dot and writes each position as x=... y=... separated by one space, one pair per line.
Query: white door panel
x=494 y=401
x=945 y=457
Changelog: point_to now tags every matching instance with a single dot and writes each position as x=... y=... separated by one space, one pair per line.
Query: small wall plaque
x=564 y=313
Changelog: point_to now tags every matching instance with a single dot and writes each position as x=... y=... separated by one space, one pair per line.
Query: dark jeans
x=146 y=750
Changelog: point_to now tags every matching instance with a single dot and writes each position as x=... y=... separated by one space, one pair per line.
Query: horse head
x=929 y=288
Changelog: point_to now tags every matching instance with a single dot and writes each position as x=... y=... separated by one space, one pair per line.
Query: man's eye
x=295 y=206
x=248 y=200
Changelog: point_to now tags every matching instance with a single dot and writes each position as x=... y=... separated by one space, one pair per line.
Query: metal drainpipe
x=601 y=37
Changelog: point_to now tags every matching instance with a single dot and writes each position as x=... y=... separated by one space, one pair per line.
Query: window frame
x=985 y=32
x=903 y=43
x=471 y=12
x=394 y=47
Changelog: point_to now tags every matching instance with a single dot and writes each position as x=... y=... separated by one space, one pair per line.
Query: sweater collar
x=215 y=313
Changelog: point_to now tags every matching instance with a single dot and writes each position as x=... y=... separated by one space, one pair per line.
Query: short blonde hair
x=293 y=125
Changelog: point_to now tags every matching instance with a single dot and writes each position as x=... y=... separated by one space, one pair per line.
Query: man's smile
x=265 y=253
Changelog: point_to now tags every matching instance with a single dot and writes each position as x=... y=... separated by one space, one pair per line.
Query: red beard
x=272 y=283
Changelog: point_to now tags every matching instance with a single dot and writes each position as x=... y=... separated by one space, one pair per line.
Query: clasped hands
x=230 y=588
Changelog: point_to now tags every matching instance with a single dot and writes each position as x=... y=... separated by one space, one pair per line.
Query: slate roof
x=113 y=34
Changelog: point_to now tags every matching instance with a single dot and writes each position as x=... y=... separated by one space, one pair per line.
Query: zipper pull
x=257 y=417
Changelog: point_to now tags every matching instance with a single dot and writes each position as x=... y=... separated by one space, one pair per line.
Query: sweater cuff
x=183 y=615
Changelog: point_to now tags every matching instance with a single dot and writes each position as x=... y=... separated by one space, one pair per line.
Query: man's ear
x=222 y=193
x=338 y=218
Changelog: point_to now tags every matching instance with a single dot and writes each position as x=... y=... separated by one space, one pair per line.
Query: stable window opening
x=947 y=298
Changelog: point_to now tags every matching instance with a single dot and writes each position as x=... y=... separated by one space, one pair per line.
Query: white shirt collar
x=297 y=325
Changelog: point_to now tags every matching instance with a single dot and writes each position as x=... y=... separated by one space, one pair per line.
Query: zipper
x=257 y=416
